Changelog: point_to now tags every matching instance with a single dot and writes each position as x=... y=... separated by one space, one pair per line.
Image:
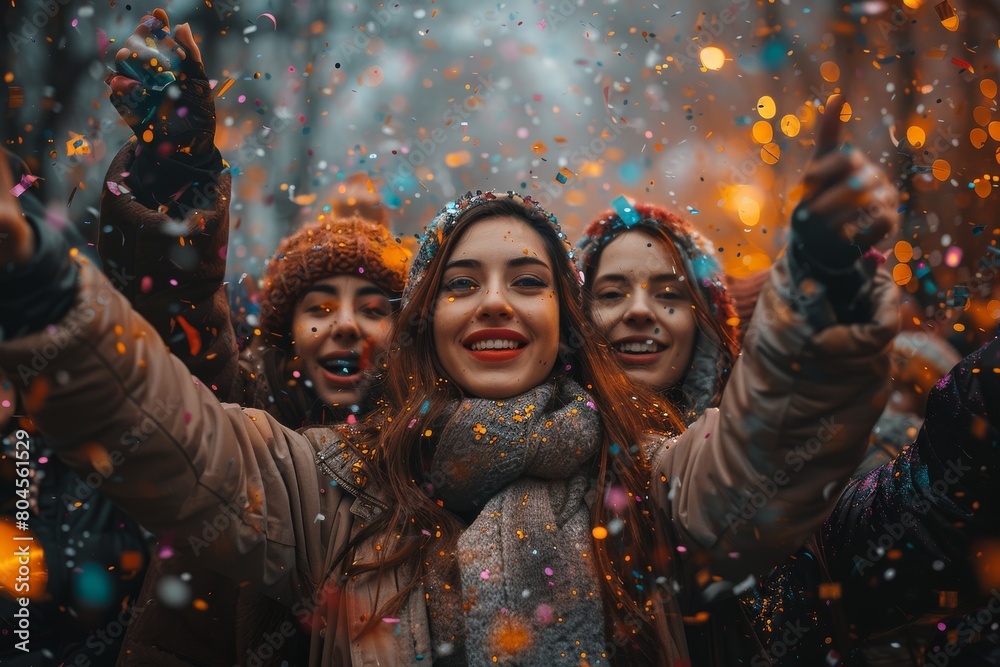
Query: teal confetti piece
x=625 y=211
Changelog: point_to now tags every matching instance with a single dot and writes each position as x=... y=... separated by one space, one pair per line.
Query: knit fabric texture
x=351 y=246
x=530 y=591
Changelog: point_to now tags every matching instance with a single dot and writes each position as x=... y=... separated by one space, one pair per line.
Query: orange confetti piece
x=510 y=637
x=224 y=88
x=457 y=159
x=37 y=394
x=193 y=337
x=12 y=584
x=948 y=599
x=829 y=591
x=130 y=560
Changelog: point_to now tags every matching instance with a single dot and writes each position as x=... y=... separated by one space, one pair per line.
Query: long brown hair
x=416 y=389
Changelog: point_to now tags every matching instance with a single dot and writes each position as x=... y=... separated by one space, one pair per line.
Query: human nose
x=639 y=308
x=495 y=301
x=345 y=325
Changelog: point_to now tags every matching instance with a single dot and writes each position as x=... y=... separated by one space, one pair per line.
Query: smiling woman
x=496 y=324
x=327 y=306
x=339 y=325
x=655 y=291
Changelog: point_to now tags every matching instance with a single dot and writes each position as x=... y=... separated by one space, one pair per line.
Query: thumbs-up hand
x=17 y=239
x=848 y=204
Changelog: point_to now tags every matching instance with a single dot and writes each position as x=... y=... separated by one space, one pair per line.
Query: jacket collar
x=344 y=465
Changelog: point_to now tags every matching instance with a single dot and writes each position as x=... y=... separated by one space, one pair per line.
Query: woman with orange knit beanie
x=327 y=303
x=328 y=299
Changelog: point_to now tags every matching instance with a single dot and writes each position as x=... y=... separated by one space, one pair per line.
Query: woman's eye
x=460 y=285
x=530 y=281
x=608 y=295
x=319 y=309
x=375 y=311
x=669 y=295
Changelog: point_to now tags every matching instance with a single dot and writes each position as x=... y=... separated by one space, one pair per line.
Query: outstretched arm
x=165 y=205
x=233 y=487
x=750 y=482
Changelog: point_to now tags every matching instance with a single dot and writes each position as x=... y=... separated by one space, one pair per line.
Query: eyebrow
x=370 y=290
x=517 y=262
x=659 y=278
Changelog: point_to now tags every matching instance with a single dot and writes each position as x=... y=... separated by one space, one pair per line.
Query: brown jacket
x=744 y=486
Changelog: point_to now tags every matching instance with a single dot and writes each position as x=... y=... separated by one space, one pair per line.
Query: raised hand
x=160 y=88
x=848 y=204
x=17 y=240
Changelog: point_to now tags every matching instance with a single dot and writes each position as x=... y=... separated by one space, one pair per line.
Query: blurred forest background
x=707 y=107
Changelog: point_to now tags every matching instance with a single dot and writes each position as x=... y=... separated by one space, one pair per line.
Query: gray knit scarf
x=529 y=585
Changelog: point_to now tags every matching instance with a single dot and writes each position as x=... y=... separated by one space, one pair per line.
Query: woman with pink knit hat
x=658 y=295
x=691 y=349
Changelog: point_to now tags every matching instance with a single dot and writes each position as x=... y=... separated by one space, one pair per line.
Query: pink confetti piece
x=274 y=21
x=542 y=24
x=26 y=182
x=548 y=571
x=103 y=43
x=390 y=619
x=484 y=575
x=544 y=614
x=113 y=188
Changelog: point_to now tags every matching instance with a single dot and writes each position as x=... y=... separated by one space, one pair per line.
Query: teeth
x=639 y=347
x=495 y=345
